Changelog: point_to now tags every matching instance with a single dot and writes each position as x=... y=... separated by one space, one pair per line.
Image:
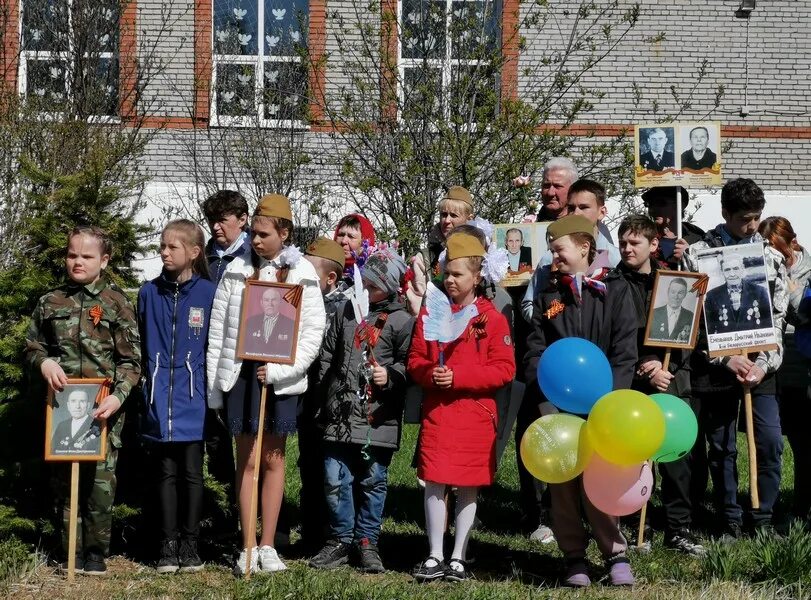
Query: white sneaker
x=269 y=561
x=242 y=561
x=543 y=534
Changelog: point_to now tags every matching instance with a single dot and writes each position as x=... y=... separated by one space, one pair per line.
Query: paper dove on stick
x=441 y=323
x=360 y=299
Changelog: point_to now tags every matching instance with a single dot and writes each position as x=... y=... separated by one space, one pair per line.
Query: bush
x=785 y=560
x=16 y=560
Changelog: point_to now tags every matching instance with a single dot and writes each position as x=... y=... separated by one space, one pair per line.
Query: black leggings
x=180 y=488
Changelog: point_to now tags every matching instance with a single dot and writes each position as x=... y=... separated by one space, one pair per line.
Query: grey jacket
x=346 y=416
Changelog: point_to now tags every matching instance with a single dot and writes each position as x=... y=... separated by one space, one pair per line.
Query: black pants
x=684 y=481
x=180 y=488
x=795 y=412
x=314 y=515
x=534 y=494
x=220 y=454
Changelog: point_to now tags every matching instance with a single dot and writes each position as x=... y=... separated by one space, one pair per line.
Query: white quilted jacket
x=222 y=363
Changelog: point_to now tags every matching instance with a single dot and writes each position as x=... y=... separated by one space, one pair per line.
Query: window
x=260 y=72
x=69 y=57
x=448 y=52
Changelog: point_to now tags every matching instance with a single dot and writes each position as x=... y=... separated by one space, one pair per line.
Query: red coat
x=458 y=434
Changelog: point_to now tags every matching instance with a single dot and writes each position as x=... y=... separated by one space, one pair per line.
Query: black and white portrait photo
x=72 y=432
x=701 y=143
x=675 y=309
x=268 y=328
x=737 y=306
x=656 y=148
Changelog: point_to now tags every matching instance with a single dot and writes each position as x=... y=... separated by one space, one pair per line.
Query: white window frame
x=258 y=61
x=444 y=65
x=64 y=56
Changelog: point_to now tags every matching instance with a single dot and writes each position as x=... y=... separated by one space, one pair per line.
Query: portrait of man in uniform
x=654 y=155
x=269 y=323
x=673 y=319
x=739 y=304
x=72 y=433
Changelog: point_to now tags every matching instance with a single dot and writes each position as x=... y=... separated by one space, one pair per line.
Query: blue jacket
x=173 y=320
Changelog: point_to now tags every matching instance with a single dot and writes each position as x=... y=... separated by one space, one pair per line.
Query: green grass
x=507 y=565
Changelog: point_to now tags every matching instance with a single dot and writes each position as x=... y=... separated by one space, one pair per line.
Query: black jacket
x=603 y=320
x=345 y=417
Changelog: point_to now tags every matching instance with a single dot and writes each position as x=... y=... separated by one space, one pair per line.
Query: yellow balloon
x=626 y=427
x=555 y=448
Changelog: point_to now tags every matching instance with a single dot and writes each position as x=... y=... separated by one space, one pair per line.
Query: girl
x=173 y=316
x=793 y=373
x=237 y=384
x=582 y=302
x=458 y=435
x=455 y=209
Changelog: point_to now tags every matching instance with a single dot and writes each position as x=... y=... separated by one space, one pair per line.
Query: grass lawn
x=507 y=564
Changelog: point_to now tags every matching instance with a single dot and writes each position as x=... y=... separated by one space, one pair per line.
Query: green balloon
x=681 y=428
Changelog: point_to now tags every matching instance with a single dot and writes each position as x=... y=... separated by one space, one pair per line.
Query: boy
x=586 y=198
x=364 y=369
x=639 y=241
x=717 y=384
x=86 y=329
x=327 y=256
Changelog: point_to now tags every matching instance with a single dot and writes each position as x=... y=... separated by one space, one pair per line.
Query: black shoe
x=684 y=541
x=167 y=563
x=188 y=558
x=334 y=554
x=94 y=564
x=731 y=532
x=456 y=570
x=79 y=568
x=369 y=557
x=767 y=530
x=426 y=572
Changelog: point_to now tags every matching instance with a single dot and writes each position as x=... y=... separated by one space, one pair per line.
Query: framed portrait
x=71 y=432
x=671 y=154
x=525 y=244
x=269 y=322
x=675 y=310
x=738 y=303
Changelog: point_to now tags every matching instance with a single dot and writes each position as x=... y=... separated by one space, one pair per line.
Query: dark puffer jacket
x=345 y=416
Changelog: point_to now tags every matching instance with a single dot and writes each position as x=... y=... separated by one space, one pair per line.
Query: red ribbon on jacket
x=368 y=333
x=478 y=327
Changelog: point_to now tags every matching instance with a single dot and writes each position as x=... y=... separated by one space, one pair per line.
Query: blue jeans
x=353 y=518
x=721 y=416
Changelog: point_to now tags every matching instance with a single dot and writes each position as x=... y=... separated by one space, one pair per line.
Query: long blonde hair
x=192 y=236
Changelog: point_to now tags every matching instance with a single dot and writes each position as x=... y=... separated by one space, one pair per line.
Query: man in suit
x=520 y=256
x=657 y=158
x=672 y=321
x=80 y=433
x=271 y=333
x=738 y=305
x=698 y=156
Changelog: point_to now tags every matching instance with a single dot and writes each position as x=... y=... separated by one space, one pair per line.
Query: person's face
x=350 y=239
x=513 y=242
x=77 y=405
x=174 y=254
x=227 y=229
x=657 y=141
x=451 y=216
x=271 y=302
x=85 y=261
x=585 y=204
x=460 y=279
x=555 y=190
x=733 y=272
x=743 y=223
x=636 y=249
x=698 y=140
x=569 y=257
x=676 y=292
x=265 y=239
x=663 y=214
x=375 y=293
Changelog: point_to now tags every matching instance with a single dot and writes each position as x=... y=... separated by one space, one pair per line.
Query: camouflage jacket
x=91 y=331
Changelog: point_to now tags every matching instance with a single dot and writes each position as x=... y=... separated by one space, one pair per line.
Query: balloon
x=573 y=373
x=617 y=490
x=626 y=427
x=681 y=428
x=555 y=448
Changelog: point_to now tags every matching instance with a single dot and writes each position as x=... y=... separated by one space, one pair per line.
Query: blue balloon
x=573 y=374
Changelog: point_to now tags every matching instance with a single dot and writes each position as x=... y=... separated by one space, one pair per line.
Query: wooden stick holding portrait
x=72 y=434
x=268 y=330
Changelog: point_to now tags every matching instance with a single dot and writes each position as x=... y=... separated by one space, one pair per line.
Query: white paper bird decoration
x=360 y=300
